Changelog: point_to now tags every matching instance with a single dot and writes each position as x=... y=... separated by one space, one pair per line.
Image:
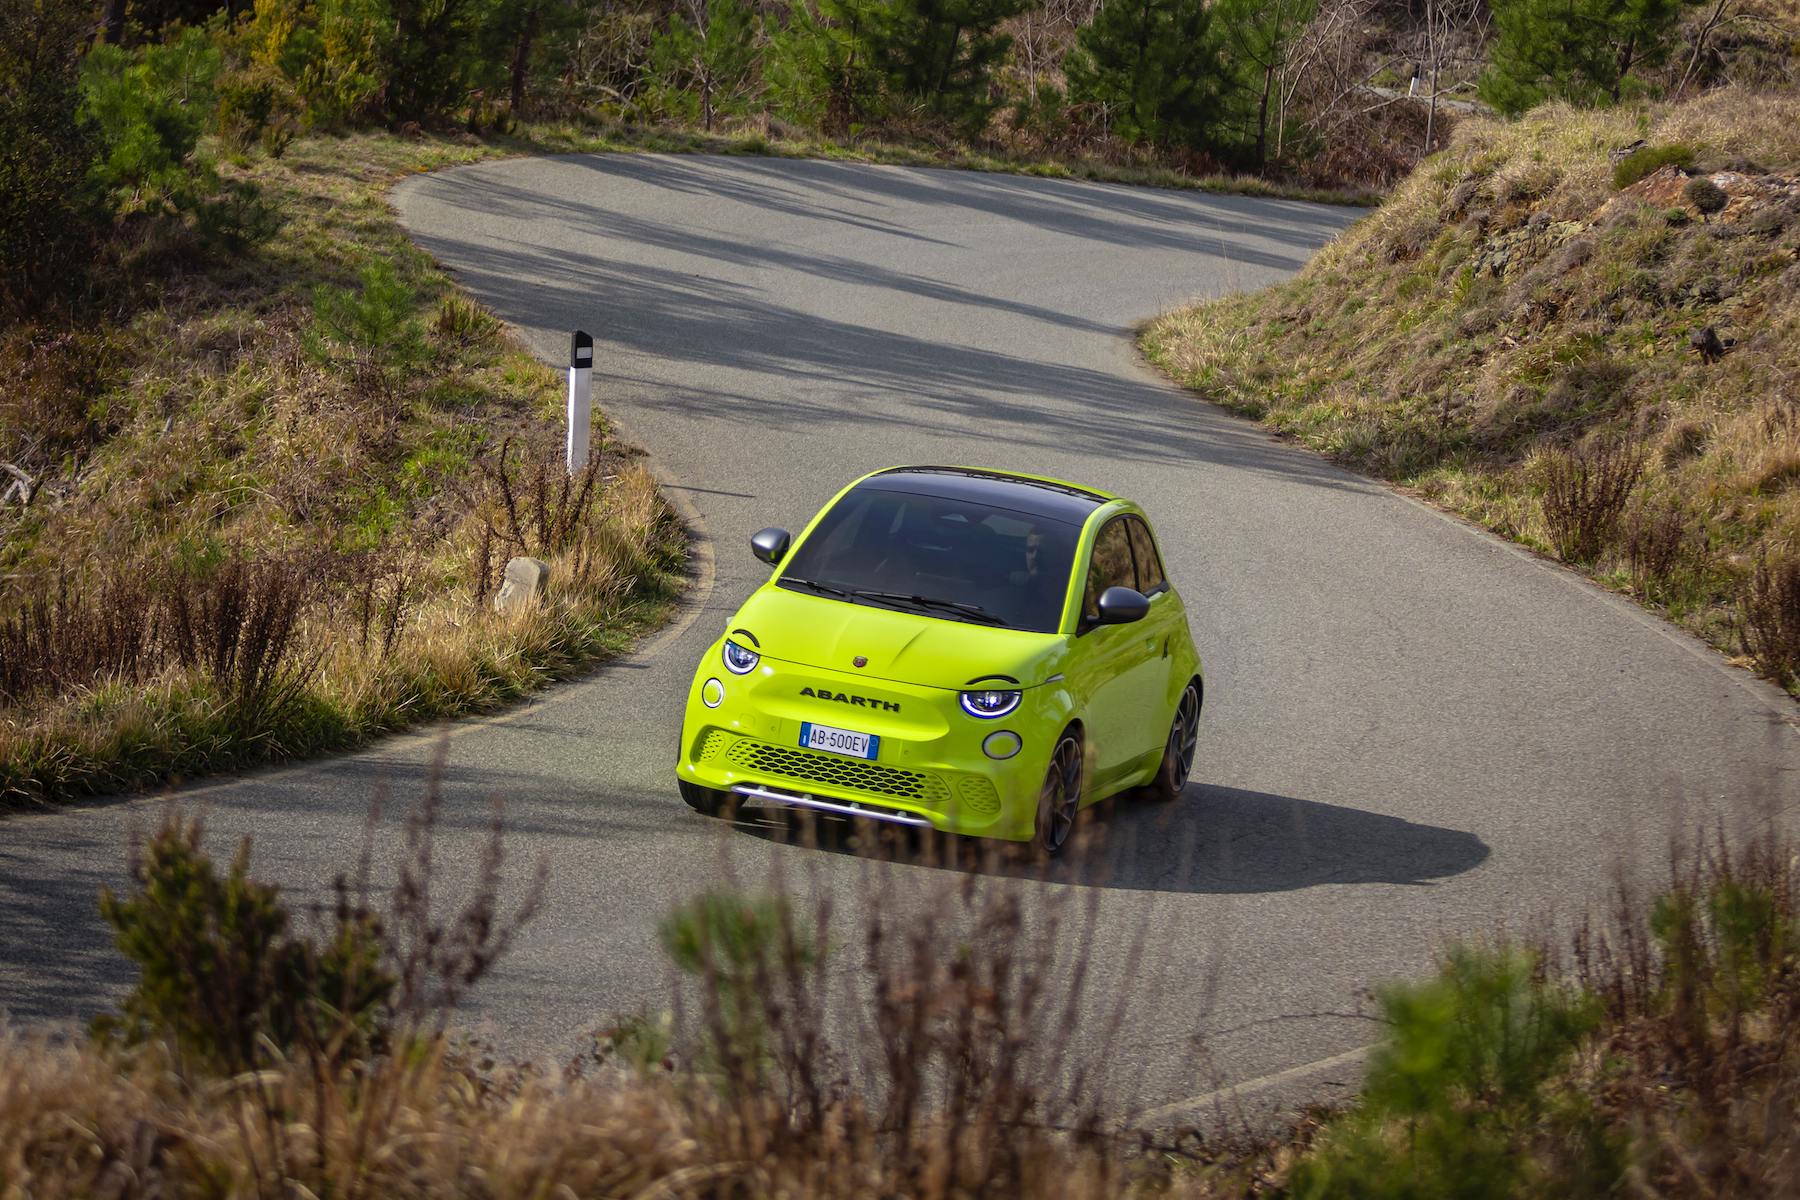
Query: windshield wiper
x=972 y=611
x=825 y=589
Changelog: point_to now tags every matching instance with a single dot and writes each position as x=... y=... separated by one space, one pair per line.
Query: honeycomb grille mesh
x=834 y=771
x=714 y=745
x=977 y=796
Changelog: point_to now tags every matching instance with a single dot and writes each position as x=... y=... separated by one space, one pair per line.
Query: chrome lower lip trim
x=792 y=800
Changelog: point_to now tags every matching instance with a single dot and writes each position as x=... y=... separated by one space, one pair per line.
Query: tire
x=1178 y=752
x=703 y=800
x=1059 y=801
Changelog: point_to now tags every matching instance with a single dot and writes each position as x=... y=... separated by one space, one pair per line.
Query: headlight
x=740 y=661
x=988 y=704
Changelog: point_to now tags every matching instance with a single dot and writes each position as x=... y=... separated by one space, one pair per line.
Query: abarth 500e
x=968 y=650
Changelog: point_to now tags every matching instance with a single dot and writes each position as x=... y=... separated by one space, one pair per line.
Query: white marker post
x=581 y=398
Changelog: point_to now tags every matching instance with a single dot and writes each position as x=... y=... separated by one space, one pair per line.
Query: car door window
x=1149 y=565
x=1110 y=566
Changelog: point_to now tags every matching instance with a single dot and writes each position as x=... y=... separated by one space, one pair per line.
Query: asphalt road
x=1412 y=730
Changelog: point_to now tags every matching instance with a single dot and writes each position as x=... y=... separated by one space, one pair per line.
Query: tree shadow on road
x=58 y=955
x=1213 y=841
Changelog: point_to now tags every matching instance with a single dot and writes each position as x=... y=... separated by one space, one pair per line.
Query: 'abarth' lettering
x=855 y=701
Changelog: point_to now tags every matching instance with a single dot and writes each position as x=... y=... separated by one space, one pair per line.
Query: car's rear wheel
x=703 y=800
x=1178 y=752
x=1060 y=800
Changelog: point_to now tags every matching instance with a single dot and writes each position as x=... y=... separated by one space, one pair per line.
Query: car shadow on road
x=1214 y=840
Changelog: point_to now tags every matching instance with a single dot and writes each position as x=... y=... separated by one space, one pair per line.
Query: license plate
x=838 y=741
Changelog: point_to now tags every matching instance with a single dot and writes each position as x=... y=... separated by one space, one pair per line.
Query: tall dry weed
x=1700 y=1048
x=950 y=1039
x=1770 y=615
x=1585 y=491
x=48 y=380
x=241 y=622
x=542 y=506
x=945 y=1070
x=1659 y=538
x=81 y=633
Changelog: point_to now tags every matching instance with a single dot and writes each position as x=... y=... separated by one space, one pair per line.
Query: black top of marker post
x=581 y=350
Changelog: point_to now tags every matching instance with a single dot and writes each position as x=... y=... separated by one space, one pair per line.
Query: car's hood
x=901 y=646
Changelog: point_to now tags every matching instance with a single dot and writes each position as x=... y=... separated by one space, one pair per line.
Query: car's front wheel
x=706 y=801
x=1178 y=752
x=1060 y=800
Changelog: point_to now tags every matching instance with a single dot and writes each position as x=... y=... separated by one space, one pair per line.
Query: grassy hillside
x=1581 y=330
x=268 y=488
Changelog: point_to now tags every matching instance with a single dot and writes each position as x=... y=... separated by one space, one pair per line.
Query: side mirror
x=770 y=545
x=1122 y=606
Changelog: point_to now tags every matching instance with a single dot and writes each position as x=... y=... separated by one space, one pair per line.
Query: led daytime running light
x=989 y=703
x=738 y=660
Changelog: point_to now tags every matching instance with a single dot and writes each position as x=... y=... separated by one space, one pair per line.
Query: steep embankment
x=1580 y=329
x=259 y=507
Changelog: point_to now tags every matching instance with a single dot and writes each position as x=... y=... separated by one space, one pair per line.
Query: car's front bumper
x=930 y=766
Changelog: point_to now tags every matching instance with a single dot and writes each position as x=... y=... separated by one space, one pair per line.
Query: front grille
x=832 y=770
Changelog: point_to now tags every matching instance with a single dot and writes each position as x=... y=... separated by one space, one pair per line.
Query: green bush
x=332 y=52
x=817 y=66
x=150 y=107
x=1705 y=195
x=1588 y=52
x=375 y=333
x=735 y=946
x=1460 y=1078
x=940 y=55
x=433 y=59
x=1260 y=38
x=49 y=213
x=255 y=108
x=221 y=973
x=705 y=68
x=1647 y=160
x=1157 y=66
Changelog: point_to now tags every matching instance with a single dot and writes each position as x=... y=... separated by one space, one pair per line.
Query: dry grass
x=78 y=1125
x=218 y=445
x=922 y=1051
x=1507 y=307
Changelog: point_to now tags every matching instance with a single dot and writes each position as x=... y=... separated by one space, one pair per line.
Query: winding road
x=1412 y=729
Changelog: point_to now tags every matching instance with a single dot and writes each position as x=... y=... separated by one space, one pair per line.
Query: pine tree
x=941 y=53
x=1259 y=38
x=433 y=57
x=1156 y=65
x=1584 y=51
x=49 y=209
x=705 y=61
x=820 y=64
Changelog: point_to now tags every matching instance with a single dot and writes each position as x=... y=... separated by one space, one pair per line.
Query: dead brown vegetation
x=1771 y=615
x=1585 y=494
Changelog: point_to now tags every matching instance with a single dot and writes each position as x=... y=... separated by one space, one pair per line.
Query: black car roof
x=1018 y=493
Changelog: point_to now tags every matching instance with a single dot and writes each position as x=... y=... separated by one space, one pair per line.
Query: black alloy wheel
x=1178 y=752
x=1060 y=800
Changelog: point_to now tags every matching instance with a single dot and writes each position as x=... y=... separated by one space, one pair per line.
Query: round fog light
x=1003 y=744
x=712 y=693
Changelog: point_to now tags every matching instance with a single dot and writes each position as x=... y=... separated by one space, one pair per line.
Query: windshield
x=955 y=559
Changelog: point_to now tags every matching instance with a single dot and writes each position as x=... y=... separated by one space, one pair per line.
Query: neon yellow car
x=972 y=651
